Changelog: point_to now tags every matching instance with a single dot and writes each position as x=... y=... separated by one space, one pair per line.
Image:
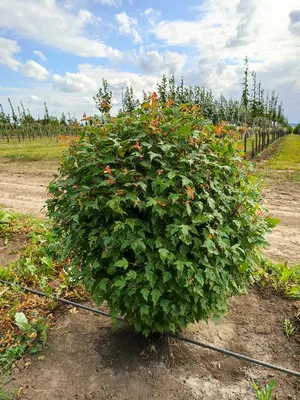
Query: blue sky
x=58 y=51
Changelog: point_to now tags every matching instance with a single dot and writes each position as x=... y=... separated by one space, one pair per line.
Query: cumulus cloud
x=40 y=55
x=220 y=25
x=54 y=26
x=224 y=32
x=153 y=62
x=128 y=26
x=33 y=70
x=8 y=49
x=74 y=82
x=89 y=78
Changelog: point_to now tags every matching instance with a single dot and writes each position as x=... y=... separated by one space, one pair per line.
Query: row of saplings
x=160 y=216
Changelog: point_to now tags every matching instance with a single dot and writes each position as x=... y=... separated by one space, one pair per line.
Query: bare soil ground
x=88 y=359
x=23 y=184
x=9 y=251
x=283 y=201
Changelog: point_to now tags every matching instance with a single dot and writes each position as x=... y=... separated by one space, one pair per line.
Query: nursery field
x=37 y=149
x=86 y=358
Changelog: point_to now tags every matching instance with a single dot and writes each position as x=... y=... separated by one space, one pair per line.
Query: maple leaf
x=191 y=192
x=137 y=146
x=108 y=170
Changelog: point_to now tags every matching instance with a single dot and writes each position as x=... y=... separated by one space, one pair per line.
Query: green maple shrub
x=159 y=215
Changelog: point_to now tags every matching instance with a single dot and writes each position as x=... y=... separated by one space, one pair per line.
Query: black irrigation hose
x=236 y=355
x=172 y=335
x=69 y=302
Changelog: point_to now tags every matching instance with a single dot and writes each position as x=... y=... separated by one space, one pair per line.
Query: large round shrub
x=159 y=215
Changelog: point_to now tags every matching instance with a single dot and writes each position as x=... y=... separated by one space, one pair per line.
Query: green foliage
x=22 y=327
x=160 y=216
x=7 y=394
x=296 y=130
x=46 y=115
x=36 y=265
x=63 y=119
x=281 y=277
x=266 y=392
x=289 y=328
x=32 y=336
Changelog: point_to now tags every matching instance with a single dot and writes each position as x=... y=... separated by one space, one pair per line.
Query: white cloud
x=40 y=55
x=34 y=98
x=236 y=29
x=153 y=62
x=152 y=15
x=85 y=17
x=89 y=78
x=33 y=70
x=76 y=90
x=48 y=23
x=115 y=3
x=8 y=48
x=224 y=32
x=128 y=26
x=74 y=82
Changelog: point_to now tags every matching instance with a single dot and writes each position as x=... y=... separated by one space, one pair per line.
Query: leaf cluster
x=160 y=216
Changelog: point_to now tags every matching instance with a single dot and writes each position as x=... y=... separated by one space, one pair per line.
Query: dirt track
x=23 y=185
x=283 y=201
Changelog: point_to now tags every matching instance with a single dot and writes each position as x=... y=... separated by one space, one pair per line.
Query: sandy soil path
x=23 y=185
x=283 y=200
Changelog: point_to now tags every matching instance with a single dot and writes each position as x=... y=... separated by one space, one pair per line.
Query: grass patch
x=283 y=279
x=32 y=150
x=240 y=145
x=287 y=156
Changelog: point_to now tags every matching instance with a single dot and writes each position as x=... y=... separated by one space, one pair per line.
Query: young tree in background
x=162 y=89
x=129 y=101
x=245 y=92
x=63 y=119
x=13 y=114
x=46 y=115
x=103 y=99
